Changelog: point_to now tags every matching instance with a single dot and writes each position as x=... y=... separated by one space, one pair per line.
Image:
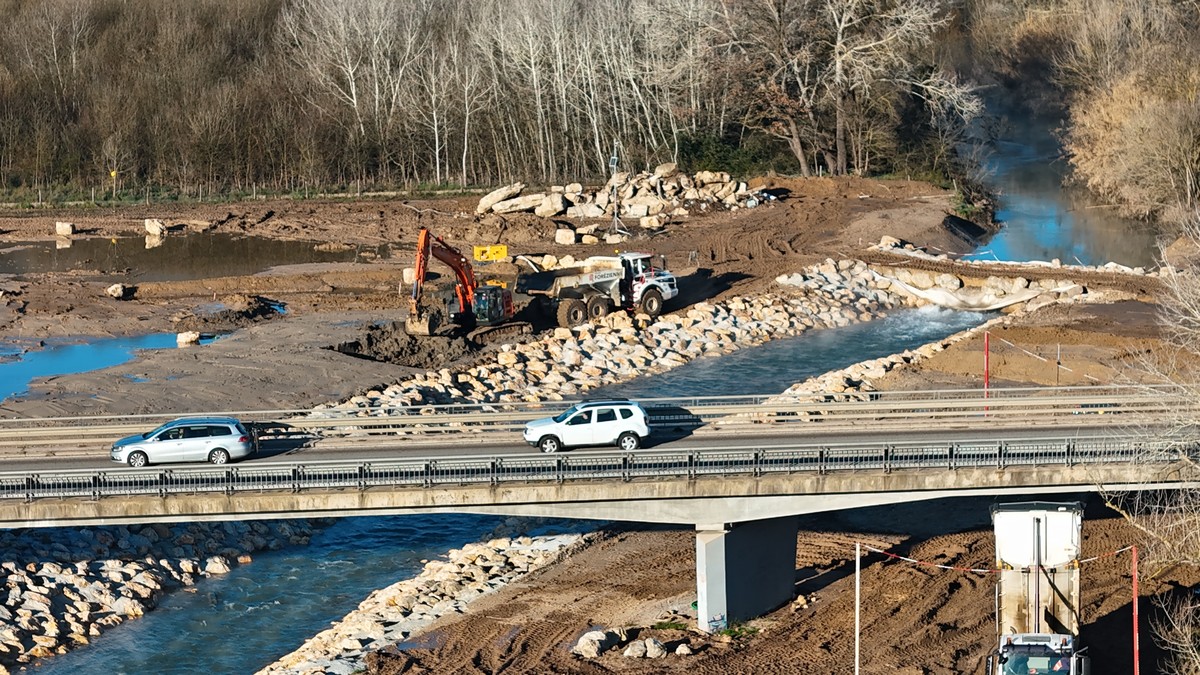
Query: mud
x=232 y=313
x=389 y=343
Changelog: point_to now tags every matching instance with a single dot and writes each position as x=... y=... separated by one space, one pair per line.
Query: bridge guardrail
x=434 y=472
x=1075 y=406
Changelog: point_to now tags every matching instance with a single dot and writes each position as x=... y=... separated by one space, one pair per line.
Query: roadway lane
x=507 y=444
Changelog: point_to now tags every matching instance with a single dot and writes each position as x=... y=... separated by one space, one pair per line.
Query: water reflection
x=1044 y=220
x=18 y=369
x=172 y=258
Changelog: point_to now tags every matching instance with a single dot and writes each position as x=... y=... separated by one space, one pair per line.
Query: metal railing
x=829 y=413
x=671 y=464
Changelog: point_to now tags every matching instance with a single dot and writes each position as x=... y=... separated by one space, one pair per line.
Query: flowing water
x=241 y=622
x=1044 y=220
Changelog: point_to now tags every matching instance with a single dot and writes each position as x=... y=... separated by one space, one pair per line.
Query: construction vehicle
x=602 y=284
x=1037 y=595
x=484 y=311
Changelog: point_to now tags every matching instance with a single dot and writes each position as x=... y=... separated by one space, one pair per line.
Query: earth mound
x=389 y=343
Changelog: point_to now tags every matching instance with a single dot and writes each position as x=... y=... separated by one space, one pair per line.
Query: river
x=241 y=622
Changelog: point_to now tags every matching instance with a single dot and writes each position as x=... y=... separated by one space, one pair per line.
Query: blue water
x=1042 y=220
x=246 y=620
x=773 y=367
x=64 y=359
x=261 y=611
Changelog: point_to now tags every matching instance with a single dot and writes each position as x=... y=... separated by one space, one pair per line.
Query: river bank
x=821 y=292
x=66 y=586
x=929 y=618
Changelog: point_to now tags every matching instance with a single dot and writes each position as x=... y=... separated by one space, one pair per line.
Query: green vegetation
x=739 y=631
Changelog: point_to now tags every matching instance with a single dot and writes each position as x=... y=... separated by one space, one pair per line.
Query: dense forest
x=230 y=97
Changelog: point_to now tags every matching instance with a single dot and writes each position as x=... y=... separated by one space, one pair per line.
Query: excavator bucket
x=422 y=323
x=418 y=325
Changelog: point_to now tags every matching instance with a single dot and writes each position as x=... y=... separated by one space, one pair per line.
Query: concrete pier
x=744 y=570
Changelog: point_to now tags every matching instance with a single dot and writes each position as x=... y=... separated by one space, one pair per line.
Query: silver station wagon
x=189 y=439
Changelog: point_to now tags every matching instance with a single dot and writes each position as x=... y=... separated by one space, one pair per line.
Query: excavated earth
x=307 y=334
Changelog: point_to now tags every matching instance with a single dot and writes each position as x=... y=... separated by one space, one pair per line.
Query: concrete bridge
x=744 y=500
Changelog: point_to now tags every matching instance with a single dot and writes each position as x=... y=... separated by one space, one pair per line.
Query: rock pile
x=594 y=643
x=571 y=362
x=443 y=587
x=649 y=196
x=65 y=586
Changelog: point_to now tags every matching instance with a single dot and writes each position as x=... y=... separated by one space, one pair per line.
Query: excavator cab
x=493 y=305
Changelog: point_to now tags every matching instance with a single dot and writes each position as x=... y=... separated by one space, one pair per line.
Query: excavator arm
x=430 y=245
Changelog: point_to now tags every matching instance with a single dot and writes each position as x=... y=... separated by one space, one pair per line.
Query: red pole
x=1136 y=652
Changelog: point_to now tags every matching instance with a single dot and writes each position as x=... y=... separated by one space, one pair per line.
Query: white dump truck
x=1037 y=595
x=602 y=284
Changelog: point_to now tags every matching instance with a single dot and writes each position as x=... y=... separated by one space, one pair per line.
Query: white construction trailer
x=1037 y=595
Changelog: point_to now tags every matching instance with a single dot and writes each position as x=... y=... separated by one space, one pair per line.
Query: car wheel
x=597 y=307
x=218 y=456
x=550 y=444
x=137 y=459
x=652 y=302
x=571 y=312
x=629 y=441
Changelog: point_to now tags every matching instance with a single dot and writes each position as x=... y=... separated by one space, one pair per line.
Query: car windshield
x=148 y=434
x=562 y=417
x=1036 y=660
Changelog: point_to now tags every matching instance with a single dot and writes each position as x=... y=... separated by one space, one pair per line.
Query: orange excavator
x=484 y=311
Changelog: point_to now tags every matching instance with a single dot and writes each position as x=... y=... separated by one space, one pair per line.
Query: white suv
x=620 y=423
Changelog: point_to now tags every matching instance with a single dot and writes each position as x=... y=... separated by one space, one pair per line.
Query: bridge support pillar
x=744 y=570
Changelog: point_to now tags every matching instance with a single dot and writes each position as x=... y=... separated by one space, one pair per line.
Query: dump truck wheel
x=571 y=312
x=597 y=307
x=652 y=302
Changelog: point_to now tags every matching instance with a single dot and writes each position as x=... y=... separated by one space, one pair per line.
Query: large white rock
x=498 y=195
x=594 y=643
x=564 y=236
x=118 y=291
x=655 y=649
x=64 y=229
x=155 y=226
x=552 y=205
x=190 y=337
x=518 y=204
x=594 y=210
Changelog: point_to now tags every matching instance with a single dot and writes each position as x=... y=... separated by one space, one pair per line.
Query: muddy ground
x=917 y=620
x=715 y=254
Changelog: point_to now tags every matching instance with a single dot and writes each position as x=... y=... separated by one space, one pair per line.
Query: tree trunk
x=798 y=148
